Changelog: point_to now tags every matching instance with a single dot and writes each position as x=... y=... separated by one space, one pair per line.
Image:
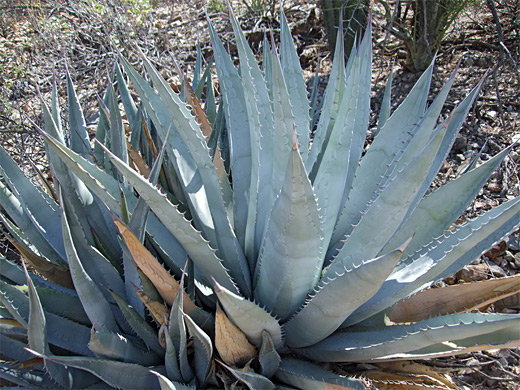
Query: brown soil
x=38 y=37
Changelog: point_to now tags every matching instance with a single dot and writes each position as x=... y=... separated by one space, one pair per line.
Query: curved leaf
x=335 y=299
x=194 y=244
x=395 y=342
x=291 y=256
x=117 y=374
x=305 y=375
x=96 y=306
x=442 y=257
x=249 y=317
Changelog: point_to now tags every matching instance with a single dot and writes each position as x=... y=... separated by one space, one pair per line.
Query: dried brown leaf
x=157 y=309
x=413 y=368
x=52 y=272
x=161 y=279
x=138 y=161
x=231 y=342
x=453 y=299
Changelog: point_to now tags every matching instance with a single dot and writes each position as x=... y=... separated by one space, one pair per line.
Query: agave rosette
x=302 y=247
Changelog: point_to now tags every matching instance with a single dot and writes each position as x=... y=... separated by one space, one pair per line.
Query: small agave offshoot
x=288 y=249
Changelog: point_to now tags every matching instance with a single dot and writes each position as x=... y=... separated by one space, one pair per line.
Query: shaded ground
x=40 y=36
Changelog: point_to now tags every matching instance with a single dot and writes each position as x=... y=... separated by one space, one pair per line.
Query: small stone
x=496 y=250
x=497 y=260
x=460 y=157
x=494 y=187
x=482 y=62
x=468 y=62
x=450 y=280
x=517 y=259
x=460 y=143
x=496 y=270
x=492 y=114
x=472 y=273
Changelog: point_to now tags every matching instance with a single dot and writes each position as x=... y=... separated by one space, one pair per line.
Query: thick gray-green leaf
x=188 y=136
x=267 y=356
x=336 y=298
x=63 y=304
x=442 y=257
x=194 y=244
x=237 y=123
x=167 y=384
x=387 y=210
x=178 y=334
x=37 y=337
x=381 y=155
x=395 y=341
x=117 y=374
x=203 y=350
x=90 y=214
x=296 y=86
x=95 y=305
x=97 y=180
x=14 y=208
x=386 y=103
x=339 y=157
x=97 y=266
x=118 y=347
x=437 y=211
x=142 y=328
x=249 y=317
x=331 y=105
x=262 y=142
x=39 y=207
x=291 y=256
x=79 y=139
x=306 y=375
x=252 y=380
x=61 y=331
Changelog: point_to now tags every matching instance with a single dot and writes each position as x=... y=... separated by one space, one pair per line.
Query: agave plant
x=186 y=239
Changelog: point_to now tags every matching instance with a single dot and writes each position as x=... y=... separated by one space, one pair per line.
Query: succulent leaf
x=293 y=75
x=443 y=206
x=39 y=207
x=268 y=356
x=395 y=342
x=203 y=351
x=167 y=384
x=79 y=139
x=196 y=247
x=330 y=106
x=237 y=120
x=142 y=328
x=327 y=308
x=96 y=306
x=380 y=157
x=251 y=379
x=116 y=346
x=14 y=208
x=116 y=374
x=249 y=317
x=441 y=258
x=291 y=256
x=305 y=375
x=388 y=210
